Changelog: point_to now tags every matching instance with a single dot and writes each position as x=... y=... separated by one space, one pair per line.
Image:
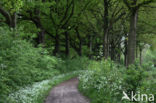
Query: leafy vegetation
x=103 y=83
x=22 y=64
x=107 y=81
x=114 y=41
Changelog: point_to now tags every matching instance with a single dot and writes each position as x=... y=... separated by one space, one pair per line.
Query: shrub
x=133 y=77
x=22 y=64
x=103 y=84
x=105 y=81
x=149 y=83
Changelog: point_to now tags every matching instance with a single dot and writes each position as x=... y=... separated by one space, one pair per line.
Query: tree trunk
x=57 y=44
x=140 y=56
x=80 y=48
x=80 y=42
x=37 y=21
x=41 y=34
x=41 y=37
x=66 y=43
x=112 y=53
x=90 y=46
x=105 y=38
x=119 y=53
x=13 y=21
x=125 y=53
x=136 y=52
x=132 y=38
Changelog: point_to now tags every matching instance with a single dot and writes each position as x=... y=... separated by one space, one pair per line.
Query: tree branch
x=127 y=4
x=71 y=14
x=6 y=15
x=51 y=16
x=66 y=12
x=145 y=3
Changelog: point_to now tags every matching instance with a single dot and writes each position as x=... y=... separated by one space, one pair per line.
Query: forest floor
x=66 y=92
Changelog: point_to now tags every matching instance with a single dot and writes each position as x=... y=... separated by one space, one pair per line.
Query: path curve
x=66 y=92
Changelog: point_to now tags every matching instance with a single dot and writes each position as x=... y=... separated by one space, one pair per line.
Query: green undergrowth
x=22 y=64
x=105 y=81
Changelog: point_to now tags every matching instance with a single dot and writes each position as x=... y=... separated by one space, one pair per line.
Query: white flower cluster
x=30 y=94
x=101 y=82
x=85 y=78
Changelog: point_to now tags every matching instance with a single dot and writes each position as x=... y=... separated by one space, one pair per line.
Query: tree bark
x=80 y=41
x=41 y=37
x=119 y=54
x=41 y=34
x=90 y=46
x=125 y=53
x=57 y=44
x=13 y=21
x=66 y=43
x=136 y=52
x=112 y=53
x=132 y=37
x=140 y=56
x=6 y=15
x=105 y=28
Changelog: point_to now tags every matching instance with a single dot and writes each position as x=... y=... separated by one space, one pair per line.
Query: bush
x=150 y=57
x=22 y=64
x=105 y=81
x=149 y=83
x=103 y=84
x=133 y=78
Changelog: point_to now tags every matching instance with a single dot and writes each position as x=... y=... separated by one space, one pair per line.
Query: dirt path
x=66 y=92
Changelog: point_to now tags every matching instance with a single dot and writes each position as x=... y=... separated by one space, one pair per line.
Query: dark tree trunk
x=140 y=56
x=119 y=53
x=105 y=28
x=132 y=38
x=90 y=46
x=125 y=53
x=37 y=21
x=80 y=42
x=80 y=48
x=13 y=21
x=136 y=53
x=41 y=37
x=66 y=43
x=41 y=34
x=10 y=19
x=112 y=53
x=57 y=44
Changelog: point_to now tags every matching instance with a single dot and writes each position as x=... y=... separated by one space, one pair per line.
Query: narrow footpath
x=66 y=92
